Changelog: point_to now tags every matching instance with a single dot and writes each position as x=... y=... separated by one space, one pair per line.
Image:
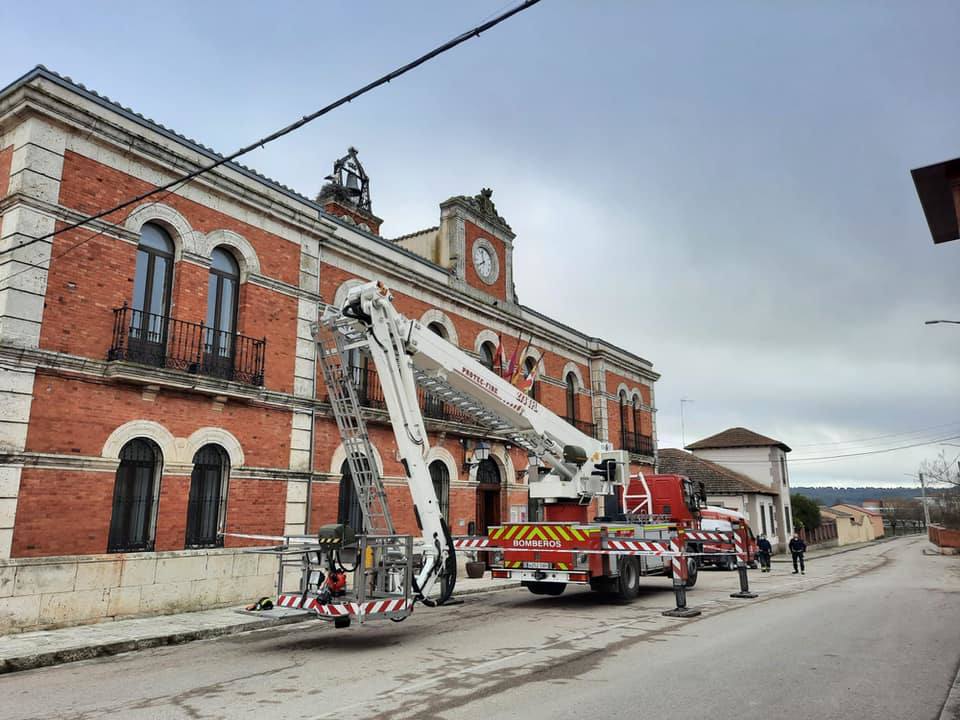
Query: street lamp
x=481 y=452
x=934 y=322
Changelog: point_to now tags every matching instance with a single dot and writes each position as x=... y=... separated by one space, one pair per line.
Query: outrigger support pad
x=681 y=610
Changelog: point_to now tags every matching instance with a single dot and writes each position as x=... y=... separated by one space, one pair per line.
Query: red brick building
x=160 y=389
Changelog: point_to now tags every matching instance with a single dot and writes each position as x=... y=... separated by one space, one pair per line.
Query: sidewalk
x=827 y=552
x=25 y=651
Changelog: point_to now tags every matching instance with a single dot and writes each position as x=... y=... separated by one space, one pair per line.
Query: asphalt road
x=870 y=633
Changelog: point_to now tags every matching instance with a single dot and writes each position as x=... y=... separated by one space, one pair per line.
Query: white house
x=725 y=488
x=764 y=461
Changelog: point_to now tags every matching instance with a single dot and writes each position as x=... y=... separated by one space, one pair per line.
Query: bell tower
x=346 y=194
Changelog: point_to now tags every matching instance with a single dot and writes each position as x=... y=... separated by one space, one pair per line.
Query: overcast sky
x=722 y=188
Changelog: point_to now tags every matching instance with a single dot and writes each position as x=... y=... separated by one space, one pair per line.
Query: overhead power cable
x=732 y=464
x=858 y=441
x=306 y=119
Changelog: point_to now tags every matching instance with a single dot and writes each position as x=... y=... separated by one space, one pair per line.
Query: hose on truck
x=448 y=573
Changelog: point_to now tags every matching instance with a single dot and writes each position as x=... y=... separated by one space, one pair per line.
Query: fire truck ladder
x=479 y=414
x=336 y=336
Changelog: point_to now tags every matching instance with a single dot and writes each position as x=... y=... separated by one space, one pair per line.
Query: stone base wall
x=44 y=593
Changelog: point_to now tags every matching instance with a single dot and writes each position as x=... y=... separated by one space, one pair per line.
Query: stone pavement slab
x=25 y=651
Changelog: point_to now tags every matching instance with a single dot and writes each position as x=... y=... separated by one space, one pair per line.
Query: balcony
x=370 y=395
x=636 y=443
x=163 y=342
x=587 y=428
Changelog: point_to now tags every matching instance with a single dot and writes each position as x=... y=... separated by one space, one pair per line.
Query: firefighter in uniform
x=797 y=548
x=764 y=549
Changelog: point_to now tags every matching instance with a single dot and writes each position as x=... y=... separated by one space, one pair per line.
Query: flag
x=517 y=374
x=512 y=367
x=526 y=384
x=499 y=360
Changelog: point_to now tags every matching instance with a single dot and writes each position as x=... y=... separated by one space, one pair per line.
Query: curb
x=68 y=655
x=88 y=652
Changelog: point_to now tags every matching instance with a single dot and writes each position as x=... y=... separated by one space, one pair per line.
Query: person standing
x=797 y=548
x=764 y=550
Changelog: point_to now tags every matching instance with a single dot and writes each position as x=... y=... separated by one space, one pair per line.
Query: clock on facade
x=483 y=262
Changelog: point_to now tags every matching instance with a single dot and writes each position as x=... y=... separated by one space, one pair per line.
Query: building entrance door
x=488 y=500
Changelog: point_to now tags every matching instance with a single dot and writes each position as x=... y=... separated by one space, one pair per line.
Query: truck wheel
x=545 y=588
x=628 y=585
x=693 y=568
x=731 y=563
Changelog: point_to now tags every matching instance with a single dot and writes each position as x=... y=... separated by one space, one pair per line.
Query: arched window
x=635 y=411
x=135 y=491
x=438 y=329
x=206 y=509
x=221 y=324
x=487 y=354
x=348 y=504
x=529 y=366
x=151 y=296
x=571 y=396
x=440 y=475
x=624 y=422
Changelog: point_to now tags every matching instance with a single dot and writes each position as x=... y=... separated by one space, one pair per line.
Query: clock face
x=483 y=262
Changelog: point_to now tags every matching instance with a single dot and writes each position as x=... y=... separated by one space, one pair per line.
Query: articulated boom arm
x=407 y=354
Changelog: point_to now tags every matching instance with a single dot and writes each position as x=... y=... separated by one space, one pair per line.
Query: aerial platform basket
x=379 y=576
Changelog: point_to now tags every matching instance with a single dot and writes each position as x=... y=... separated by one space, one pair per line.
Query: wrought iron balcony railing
x=587 y=428
x=636 y=443
x=370 y=394
x=162 y=341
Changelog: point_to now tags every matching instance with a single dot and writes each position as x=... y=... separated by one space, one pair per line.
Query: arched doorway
x=488 y=500
x=488 y=495
x=348 y=504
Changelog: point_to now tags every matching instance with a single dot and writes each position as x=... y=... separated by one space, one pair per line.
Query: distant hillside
x=856 y=496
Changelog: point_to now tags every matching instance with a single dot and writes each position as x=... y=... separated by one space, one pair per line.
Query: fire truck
x=722 y=520
x=654 y=530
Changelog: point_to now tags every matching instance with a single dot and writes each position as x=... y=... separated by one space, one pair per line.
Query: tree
x=945 y=503
x=941 y=470
x=806 y=512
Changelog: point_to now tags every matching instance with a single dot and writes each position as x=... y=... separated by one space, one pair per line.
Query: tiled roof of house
x=717 y=479
x=735 y=438
x=415 y=233
x=833 y=512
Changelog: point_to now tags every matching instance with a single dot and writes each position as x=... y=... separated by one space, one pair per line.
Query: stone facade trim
x=216 y=436
x=141 y=429
x=436 y=316
x=340 y=455
x=572 y=367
